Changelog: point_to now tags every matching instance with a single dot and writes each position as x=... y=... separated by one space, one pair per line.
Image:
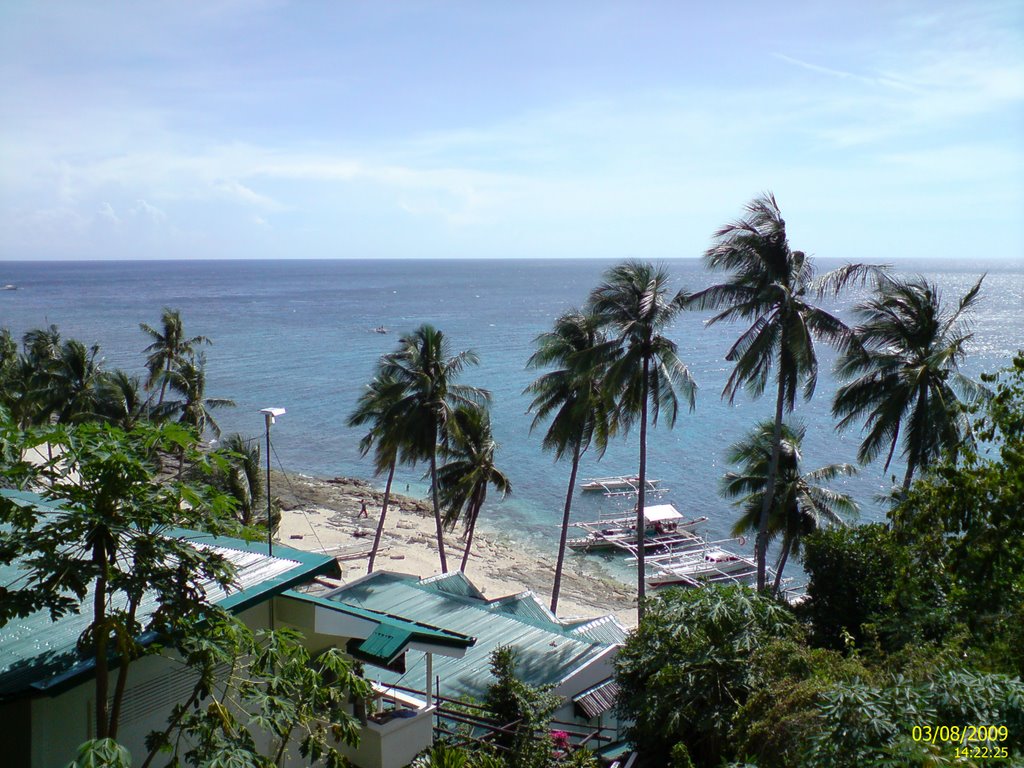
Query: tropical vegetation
x=426 y=369
x=574 y=398
x=641 y=369
x=377 y=407
x=773 y=288
x=906 y=626
x=918 y=620
x=470 y=467
x=905 y=371
x=802 y=503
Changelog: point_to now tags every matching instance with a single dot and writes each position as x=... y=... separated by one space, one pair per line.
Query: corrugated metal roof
x=454 y=583
x=40 y=653
x=385 y=643
x=524 y=605
x=547 y=651
x=597 y=700
x=606 y=629
x=417 y=630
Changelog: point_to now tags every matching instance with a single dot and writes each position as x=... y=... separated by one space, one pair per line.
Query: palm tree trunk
x=912 y=462
x=557 y=586
x=475 y=512
x=437 y=510
x=787 y=544
x=908 y=478
x=163 y=384
x=769 y=491
x=383 y=514
x=641 y=555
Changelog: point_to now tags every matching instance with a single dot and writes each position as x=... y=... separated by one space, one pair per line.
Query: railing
x=458 y=711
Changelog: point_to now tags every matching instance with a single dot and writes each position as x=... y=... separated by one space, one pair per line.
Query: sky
x=345 y=129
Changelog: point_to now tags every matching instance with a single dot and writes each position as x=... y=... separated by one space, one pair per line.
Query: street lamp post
x=270 y=415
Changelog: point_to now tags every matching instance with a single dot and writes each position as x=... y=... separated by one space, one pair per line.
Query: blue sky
x=234 y=129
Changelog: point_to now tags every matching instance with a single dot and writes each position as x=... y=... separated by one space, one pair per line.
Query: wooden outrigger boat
x=701 y=565
x=620 y=485
x=665 y=529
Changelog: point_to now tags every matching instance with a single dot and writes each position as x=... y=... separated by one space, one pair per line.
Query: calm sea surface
x=299 y=334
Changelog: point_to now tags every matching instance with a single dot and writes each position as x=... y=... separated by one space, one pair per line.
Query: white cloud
x=145 y=210
x=107 y=212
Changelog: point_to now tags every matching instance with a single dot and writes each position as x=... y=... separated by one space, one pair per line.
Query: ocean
x=299 y=334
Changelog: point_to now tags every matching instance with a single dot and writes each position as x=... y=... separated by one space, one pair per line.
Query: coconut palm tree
x=73 y=383
x=169 y=349
x=243 y=479
x=121 y=401
x=469 y=449
x=905 y=373
x=42 y=345
x=773 y=288
x=801 y=504
x=644 y=375
x=193 y=408
x=573 y=397
x=426 y=369
x=378 y=408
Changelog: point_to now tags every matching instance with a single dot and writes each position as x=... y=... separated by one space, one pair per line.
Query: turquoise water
x=299 y=334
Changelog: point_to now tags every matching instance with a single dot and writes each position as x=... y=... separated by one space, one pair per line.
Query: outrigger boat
x=620 y=485
x=665 y=528
x=698 y=565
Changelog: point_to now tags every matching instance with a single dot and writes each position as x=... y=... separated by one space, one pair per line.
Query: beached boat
x=665 y=528
x=620 y=485
x=701 y=566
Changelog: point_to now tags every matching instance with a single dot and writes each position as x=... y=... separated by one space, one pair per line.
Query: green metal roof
x=38 y=654
x=548 y=650
x=385 y=644
x=416 y=630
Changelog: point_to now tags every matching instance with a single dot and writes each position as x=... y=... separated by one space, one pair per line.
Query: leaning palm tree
x=905 y=371
x=378 y=408
x=470 y=450
x=773 y=288
x=426 y=369
x=169 y=349
x=800 y=505
x=573 y=397
x=645 y=374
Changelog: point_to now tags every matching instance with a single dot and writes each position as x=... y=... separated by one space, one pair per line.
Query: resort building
x=47 y=705
x=574 y=657
x=421 y=641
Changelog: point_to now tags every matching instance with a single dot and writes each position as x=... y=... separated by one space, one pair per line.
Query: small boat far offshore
x=9 y=287
x=380 y=329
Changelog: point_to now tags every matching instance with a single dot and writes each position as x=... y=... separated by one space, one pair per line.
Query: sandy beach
x=322 y=515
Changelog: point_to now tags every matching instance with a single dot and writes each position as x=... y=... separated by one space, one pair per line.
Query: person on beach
x=362 y=510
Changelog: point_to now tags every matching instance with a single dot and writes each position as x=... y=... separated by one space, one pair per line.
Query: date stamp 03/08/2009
x=970 y=741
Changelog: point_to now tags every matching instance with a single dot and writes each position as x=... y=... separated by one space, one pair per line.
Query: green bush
x=683 y=673
x=853 y=575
